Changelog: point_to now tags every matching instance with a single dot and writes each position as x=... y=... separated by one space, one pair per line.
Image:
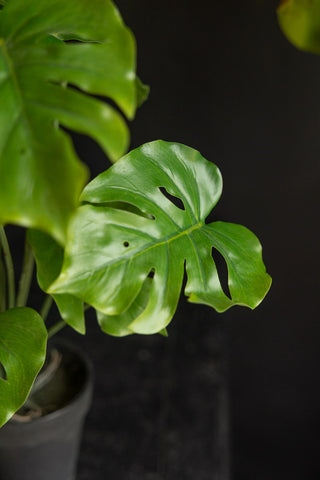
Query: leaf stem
x=56 y=328
x=9 y=267
x=46 y=307
x=26 y=276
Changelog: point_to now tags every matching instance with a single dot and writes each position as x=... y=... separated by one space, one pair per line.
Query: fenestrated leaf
x=112 y=248
x=23 y=339
x=46 y=49
x=300 y=22
x=48 y=255
x=119 y=325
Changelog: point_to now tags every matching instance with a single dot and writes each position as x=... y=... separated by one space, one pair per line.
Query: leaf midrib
x=143 y=250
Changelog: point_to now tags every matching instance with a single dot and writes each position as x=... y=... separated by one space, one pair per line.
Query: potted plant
x=121 y=243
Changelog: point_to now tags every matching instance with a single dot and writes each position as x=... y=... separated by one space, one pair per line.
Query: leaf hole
x=222 y=271
x=73 y=41
x=173 y=199
x=73 y=38
x=126 y=244
x=127 y=207
x=3 y=373
x=151 y=273
x=79 y=41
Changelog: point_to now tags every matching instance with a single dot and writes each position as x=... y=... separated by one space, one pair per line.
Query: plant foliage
x=52 y=55
x=114 y=247
x=300 y=22
x=123 y=244
x=23 y=338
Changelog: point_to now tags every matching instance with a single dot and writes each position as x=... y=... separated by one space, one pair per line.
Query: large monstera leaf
x=300 y=22
x=53 y=53
x=130 y=242
x=23 y=339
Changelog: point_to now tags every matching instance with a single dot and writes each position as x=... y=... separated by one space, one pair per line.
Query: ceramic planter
x=47 y=448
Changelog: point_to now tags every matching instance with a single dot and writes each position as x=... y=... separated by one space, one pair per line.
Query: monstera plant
x=123 y=242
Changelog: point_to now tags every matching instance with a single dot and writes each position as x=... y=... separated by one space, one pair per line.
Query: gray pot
x=47 y=448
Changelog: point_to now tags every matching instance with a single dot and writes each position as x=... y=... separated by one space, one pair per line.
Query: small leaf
x=142 y=92
x=111 y=252
x=49 y=257
x=23 y=339
x=300 y=22
x=71 y=311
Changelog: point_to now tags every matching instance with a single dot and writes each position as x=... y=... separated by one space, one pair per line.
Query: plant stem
x=56 y=328
x=46 y=307
x=9 y=267
x=26 y=276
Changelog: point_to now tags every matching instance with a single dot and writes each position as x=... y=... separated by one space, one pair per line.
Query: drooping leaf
x=47 y=49
x=112 y=248
x=23 y=339
x=49 y=257
x=300 y=22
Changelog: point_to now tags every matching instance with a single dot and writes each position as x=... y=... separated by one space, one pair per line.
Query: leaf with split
x=23 y=338
x=300 y=22
x=119 y=325
x=52 y=56
x=164 y=192
x=48 y=255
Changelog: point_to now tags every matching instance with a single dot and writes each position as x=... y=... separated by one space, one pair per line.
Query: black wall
x=224 y=80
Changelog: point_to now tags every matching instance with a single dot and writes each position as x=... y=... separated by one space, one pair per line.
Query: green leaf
x=48 y=255
x=23 y=339
x=300 y=22
x=52 y=55
x=71 y=311
x=113 y=248
x=2 y=284
x=142 y=92
x=119 y=325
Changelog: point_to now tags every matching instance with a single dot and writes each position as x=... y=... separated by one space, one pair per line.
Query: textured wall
x=224 y=80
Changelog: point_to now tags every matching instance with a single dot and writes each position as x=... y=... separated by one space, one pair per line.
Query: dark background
x=225 y=81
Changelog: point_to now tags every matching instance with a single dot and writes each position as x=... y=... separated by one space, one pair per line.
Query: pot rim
x=86 y=389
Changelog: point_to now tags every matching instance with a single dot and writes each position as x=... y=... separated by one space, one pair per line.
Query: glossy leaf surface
x=23 y=339
x=119 y=325
x=48 y=255
x=300 y=22
x=52 y=55
x=145 y=217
